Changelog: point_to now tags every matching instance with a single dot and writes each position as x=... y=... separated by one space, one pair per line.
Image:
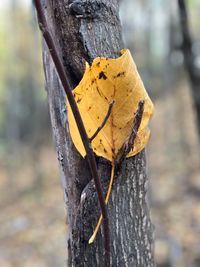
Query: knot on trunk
x=93 y=9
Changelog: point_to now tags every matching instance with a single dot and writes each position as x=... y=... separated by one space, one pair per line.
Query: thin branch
x=68 y=90
x=129 y=143
x=104 y=121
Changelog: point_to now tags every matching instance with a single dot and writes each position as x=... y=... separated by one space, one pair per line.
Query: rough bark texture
x=84 y=30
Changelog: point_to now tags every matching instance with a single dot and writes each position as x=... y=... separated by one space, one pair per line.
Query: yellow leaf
x=104 y=81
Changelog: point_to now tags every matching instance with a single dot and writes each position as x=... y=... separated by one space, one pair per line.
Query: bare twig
x=104 y=121
x=86 y=142
x=128 y=144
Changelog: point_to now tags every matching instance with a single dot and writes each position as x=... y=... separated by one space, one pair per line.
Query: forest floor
x=174 y=168
x=33 y=230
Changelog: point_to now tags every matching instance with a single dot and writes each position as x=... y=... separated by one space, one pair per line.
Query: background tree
x=190 y=59
x=85 y=30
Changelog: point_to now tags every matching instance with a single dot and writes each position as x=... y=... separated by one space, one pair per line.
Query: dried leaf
x=104 y=81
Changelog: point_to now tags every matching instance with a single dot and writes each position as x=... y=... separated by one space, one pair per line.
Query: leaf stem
x=86 y=142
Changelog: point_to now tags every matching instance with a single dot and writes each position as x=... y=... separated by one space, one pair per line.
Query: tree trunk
x=84 y=30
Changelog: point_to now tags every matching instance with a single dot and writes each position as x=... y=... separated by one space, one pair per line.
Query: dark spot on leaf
x=105 y=150
x=89 y=107
x=100 y=141
x=93 y=80
x=98 y=118
x=78 y=100
x=98 y=64
x=102 y=75
x=89 y=130
x=120 y=74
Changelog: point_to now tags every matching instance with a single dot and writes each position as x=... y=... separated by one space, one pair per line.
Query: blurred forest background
x=33 y=230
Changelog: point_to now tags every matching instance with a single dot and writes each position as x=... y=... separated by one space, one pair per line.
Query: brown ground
x=32 y=217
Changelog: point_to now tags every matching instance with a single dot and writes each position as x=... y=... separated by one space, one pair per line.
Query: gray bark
x=83 y=31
